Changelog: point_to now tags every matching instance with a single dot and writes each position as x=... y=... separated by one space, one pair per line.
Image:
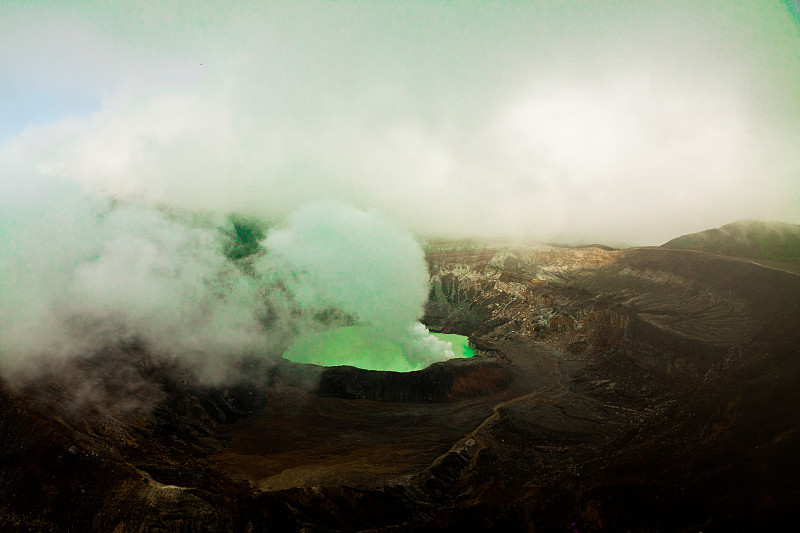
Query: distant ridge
x=767 y=242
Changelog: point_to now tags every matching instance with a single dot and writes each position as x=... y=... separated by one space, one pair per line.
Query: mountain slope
x=749 y=239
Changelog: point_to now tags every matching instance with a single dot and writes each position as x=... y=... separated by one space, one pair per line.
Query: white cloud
x=533 y=120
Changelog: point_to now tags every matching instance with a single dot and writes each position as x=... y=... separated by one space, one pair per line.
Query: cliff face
x=671 y=311
x=645 y=389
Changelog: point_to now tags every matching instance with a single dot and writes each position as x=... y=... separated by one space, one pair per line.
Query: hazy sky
x=619 y=122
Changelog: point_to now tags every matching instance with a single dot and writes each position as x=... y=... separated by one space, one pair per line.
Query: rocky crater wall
x=674 y=312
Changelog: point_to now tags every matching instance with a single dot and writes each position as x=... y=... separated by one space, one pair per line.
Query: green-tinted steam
x=331 y=255
x=80 y=274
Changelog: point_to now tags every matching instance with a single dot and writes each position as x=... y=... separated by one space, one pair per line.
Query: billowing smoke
x=80 y=274
x=360 y=263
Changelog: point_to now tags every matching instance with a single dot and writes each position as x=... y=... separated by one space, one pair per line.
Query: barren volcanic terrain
x=646 y=389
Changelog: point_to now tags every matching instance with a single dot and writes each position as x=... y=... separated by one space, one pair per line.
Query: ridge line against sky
x=582 y=122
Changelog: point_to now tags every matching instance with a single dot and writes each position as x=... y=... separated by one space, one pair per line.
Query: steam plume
x=80 y=274
x=361 y=263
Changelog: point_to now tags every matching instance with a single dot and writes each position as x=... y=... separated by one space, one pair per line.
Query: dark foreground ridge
x=635 y=390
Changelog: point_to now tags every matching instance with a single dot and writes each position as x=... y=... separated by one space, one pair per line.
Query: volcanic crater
x=612 y=390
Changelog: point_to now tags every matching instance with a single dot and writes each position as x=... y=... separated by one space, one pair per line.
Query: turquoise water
x=361 y=347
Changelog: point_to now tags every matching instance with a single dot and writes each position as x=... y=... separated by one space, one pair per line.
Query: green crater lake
x=361 y=347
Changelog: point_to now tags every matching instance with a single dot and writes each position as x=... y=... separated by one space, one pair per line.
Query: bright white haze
x=617 y=122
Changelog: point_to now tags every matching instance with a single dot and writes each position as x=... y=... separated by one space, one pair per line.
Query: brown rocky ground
x=636 y=390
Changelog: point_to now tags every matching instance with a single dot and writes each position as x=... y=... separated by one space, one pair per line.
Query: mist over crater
x=81 y=274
